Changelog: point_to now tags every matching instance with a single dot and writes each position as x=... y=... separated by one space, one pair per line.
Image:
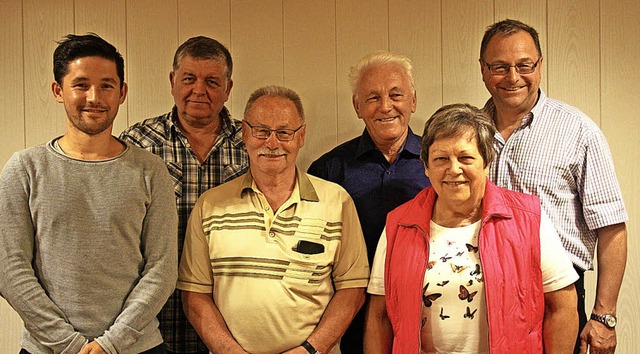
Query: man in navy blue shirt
x=380 y=169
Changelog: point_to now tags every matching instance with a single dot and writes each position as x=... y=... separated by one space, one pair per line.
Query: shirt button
x=266 y=208
x=272 y=234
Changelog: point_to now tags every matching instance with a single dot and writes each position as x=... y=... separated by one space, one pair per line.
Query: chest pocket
x=175 y=171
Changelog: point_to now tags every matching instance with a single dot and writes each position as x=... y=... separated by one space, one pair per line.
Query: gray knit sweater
x=88 y=249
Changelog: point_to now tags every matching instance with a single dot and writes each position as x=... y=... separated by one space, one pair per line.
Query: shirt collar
x=412 y=144
x=303 y=184
x=490 y=109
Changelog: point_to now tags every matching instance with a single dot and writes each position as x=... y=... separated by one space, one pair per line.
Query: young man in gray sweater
x=87 y=223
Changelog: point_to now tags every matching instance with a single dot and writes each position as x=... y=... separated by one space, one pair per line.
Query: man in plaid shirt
x=202 y=148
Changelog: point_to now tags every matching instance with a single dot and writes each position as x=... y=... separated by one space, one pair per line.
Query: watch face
x=611 y=320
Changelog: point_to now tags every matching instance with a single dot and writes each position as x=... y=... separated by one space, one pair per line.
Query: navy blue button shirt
x=376 y=186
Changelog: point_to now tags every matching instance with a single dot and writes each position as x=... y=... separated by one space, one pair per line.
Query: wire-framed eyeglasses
x=263 y=133
x=503 y=69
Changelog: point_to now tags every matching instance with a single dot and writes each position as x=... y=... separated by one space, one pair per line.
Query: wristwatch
x=607 y=320
x=306 y=345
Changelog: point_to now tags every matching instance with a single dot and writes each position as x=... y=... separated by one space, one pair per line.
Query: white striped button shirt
x=561 y=155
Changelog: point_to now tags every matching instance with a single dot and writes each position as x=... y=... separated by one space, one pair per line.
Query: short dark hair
x=204 y=48
x=508 y=27
x=454 y=119
x=74 y=46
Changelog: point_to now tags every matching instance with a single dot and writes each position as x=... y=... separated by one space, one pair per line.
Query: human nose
x=199 y=87
x=386 y=104
x=272 y=140
x=513 y=75
x=92 y=94
x=455 y=167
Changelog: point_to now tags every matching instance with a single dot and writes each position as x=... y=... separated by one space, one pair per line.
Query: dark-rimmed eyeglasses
x=504 y=69
x=263 y=133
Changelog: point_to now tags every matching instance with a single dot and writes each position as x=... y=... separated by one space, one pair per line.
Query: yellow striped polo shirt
x=271 y=296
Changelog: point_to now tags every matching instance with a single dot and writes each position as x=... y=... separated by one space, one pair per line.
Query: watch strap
x=306 y=345
x=603 y=319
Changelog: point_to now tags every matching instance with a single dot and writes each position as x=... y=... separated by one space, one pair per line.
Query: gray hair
x=276 y=91
x=204 y=48
x=376 y=59
x=455 y=119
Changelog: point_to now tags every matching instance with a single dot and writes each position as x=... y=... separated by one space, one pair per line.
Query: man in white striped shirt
x=548 y=148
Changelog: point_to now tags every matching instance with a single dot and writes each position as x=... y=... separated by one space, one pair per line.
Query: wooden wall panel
x=573 y=61
x=620 y=124
x=463 y=24
x=152 y=39
x=108 y=19
x=415 y=31
x=310 y=70
x=257 y=48
x=45 y=22
x=12 y=74
x=534 y=14
x=12 y=132
x=589 y=48
x=361 y=27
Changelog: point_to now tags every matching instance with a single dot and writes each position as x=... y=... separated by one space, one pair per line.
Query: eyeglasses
x=504 y=69
x=264 y=133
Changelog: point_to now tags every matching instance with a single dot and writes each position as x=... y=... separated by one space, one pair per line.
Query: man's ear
x=356 y=105
x=171 y=75
x=56 y=88
x=123 y=92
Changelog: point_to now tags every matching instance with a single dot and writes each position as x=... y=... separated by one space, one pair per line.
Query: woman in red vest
x=466 y=266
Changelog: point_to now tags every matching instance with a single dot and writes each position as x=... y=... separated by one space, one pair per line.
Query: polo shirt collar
x=412 y=144
x=303 y=184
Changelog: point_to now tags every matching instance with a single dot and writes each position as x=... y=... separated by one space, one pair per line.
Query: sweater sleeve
x=19 y=284
x=160 y=272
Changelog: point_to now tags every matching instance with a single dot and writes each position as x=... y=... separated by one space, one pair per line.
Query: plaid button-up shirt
x=226 y=161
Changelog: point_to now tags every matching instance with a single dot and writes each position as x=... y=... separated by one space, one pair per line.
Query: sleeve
x=600 y=194
x=557 y=269
x=130 y=136
x=195 y=272
x=19 y=285
x=376 y=282
x=351 y=268
x=160 y=272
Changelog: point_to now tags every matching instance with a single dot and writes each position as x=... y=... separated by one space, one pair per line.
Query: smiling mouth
x=386 y=120
x=512 y=89
x=455 y=184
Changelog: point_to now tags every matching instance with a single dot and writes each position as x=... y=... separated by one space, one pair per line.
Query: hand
x=296 y=350
x=599 y=337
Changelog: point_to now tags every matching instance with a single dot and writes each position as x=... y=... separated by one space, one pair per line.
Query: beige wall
x=591 y=61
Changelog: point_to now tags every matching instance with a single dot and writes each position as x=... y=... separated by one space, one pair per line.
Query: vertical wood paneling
x=257 y=48
x=534 y=14
x=619 y=74
x=310 y=70
x=12 y=75
x=211 y=18
x=589 y=48
x=573 y=62
x=463 y=24
x=45 y=22
x=12 y=132
x=108 y=19
x=152 y=39
x=414 y=30
x=361 y=27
